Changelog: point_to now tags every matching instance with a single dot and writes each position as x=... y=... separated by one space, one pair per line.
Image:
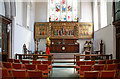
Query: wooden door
x=118 y=48
x=4 y=37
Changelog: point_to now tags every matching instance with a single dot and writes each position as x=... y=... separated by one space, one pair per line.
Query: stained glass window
x=63 y=10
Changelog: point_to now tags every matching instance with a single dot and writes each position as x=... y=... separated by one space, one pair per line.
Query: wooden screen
x=64 y=29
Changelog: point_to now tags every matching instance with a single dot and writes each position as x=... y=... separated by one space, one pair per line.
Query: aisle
x=63 y=73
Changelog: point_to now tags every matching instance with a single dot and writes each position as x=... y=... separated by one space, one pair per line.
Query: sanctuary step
x=60 y=65
x=63 y=61
x=64 y=55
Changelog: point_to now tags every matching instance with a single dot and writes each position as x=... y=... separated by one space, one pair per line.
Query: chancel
x=60 y=39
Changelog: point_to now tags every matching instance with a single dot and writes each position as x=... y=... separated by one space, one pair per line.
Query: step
x=64 y=55
x=69 y=65
x=64 y=66
x=63 y=61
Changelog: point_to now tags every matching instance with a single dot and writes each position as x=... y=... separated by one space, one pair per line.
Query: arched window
x=63 y=10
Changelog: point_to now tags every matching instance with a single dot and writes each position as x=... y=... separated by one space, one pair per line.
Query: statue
x=88 y=43
x=25 y=49
x=47 y=47
x=101 y=47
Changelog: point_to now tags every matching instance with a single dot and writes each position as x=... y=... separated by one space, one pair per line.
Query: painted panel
x=41 y=30
x=85 y=30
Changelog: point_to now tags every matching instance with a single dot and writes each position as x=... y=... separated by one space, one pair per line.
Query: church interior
x=42 y=39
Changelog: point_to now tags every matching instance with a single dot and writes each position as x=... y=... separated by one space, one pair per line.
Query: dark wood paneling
x=57 y=48
x=65 y=41
x=70 y=45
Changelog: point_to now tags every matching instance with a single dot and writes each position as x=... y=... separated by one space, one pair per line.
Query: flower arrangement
x=48 y=42
x=47 y=46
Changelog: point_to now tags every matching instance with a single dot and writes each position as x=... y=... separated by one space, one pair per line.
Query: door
x=118 y=48
x=4 y=39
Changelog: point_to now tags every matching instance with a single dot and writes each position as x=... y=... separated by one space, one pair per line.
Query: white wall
x=23 y=35
x=2 y=9
x=86 y=12
x=95 y=15
x=103 y=13
x=107 y=34
x=42 y=45
x=41 y=11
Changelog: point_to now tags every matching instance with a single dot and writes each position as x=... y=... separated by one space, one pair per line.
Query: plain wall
x=41 y=11
x=107 y=34
x=2 y=9
x=86 y=12
x=23 y=35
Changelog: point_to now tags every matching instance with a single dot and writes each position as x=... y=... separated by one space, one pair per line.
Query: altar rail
x=34 y=56
x=77 y=57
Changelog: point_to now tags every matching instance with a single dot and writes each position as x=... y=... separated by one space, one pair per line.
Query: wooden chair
x=107 y=74
x=7 y=65
x=109 y=61
x=30 y=66
x=102 y=62
x=0 y=64
x=91 y=74
x=118 y=70
x=118 y=66
x=116 y=61
x=10 y=60
x=17 y=66
x=90 y=62
x=32 y=74
x=111 y=67
x=99 y=67
x=19 y=74
x=16 y=61
x=77 y=67
x=36 y=62
x=84 y=68
x=44 y=69
x=4 y=74
x=25 y=62
x=49 y=63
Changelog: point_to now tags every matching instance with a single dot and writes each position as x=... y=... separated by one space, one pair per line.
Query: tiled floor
x=63 y=73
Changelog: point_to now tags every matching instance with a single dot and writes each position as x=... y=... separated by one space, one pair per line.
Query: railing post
x=77 y=58
x=111 y=56
x=20 y=57
x=49 y=57
x=15 y=56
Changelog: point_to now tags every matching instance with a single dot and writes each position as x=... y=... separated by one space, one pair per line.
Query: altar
x=64 y=46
